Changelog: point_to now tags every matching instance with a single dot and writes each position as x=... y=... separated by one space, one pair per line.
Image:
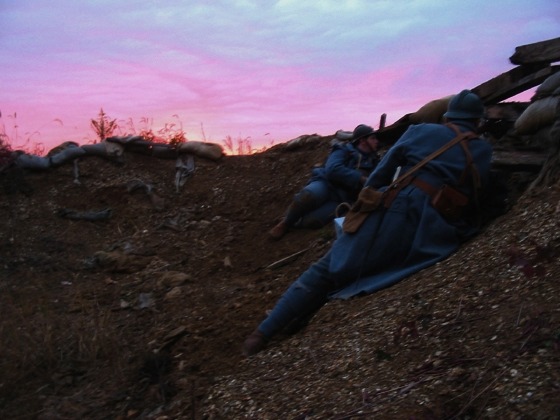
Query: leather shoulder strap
x=460 y=137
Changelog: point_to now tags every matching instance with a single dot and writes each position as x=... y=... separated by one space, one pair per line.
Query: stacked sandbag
x=65 y=152
x=300 y=141
x=33 y=162
x=537 y=120
x=548 y=87
x=137 y=144
x=343 y=135
x=202 y=149
x=432 y=112
x=105 y=149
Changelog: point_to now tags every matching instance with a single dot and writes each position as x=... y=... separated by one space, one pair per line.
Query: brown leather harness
x=430 y=190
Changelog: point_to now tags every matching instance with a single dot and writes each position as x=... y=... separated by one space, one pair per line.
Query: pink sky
x=267 y=71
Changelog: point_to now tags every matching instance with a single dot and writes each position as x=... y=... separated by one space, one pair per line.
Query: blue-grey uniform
x=411 y=234
x=399 y=239
x=338 y=181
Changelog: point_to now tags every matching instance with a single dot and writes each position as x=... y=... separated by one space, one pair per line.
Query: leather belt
x=425 y=186
x=417 y=182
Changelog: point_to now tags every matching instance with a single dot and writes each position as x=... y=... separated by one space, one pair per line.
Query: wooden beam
x=535 y=68
x=540 y=52
x=508 y=111
x=518 y=159
x=515 y=81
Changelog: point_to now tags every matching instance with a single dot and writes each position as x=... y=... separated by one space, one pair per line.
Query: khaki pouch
x=369 y=200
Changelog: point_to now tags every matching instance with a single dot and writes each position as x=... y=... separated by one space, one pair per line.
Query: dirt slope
x=142 y=315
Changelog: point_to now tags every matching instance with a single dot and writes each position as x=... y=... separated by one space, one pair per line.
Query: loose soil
x=142 y=314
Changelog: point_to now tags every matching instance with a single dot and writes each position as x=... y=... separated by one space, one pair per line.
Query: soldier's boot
x=279 y=230
x=254 y=343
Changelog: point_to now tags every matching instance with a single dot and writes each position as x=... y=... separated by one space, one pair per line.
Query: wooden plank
x=509 y=111
x=515 y=81
x=540 y=52
x=536 y=68
x=518 y=159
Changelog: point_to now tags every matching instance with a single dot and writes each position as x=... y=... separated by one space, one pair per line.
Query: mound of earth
x=124 y=298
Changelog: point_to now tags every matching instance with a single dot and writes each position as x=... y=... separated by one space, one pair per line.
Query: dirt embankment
x=142 y=314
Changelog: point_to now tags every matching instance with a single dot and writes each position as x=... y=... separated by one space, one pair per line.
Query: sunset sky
x=264 y=70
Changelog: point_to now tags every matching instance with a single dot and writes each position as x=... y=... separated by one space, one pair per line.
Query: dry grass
x=45 y=344
x=103 y=126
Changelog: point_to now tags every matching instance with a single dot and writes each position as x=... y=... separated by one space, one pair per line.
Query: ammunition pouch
x=450 y=202
x=368 y=201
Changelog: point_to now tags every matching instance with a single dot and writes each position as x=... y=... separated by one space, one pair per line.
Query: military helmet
x=361 y=131
x=465 y=105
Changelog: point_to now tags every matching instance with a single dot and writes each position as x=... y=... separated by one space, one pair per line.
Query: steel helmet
x=361 y=131
x=465 y=105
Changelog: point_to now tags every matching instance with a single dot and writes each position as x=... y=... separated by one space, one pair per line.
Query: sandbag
x=33 y=162
x=134 y=144
x=104 y=149
x=432 y=112
x=201 y=149
x=63 y=146
x=542 y=138
x=66 y=155
x=164 y=151
x=344 y=135
x=97 y=149
x=537 y=115
x=548 y=137
x=113 y=149
x=547 y=87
